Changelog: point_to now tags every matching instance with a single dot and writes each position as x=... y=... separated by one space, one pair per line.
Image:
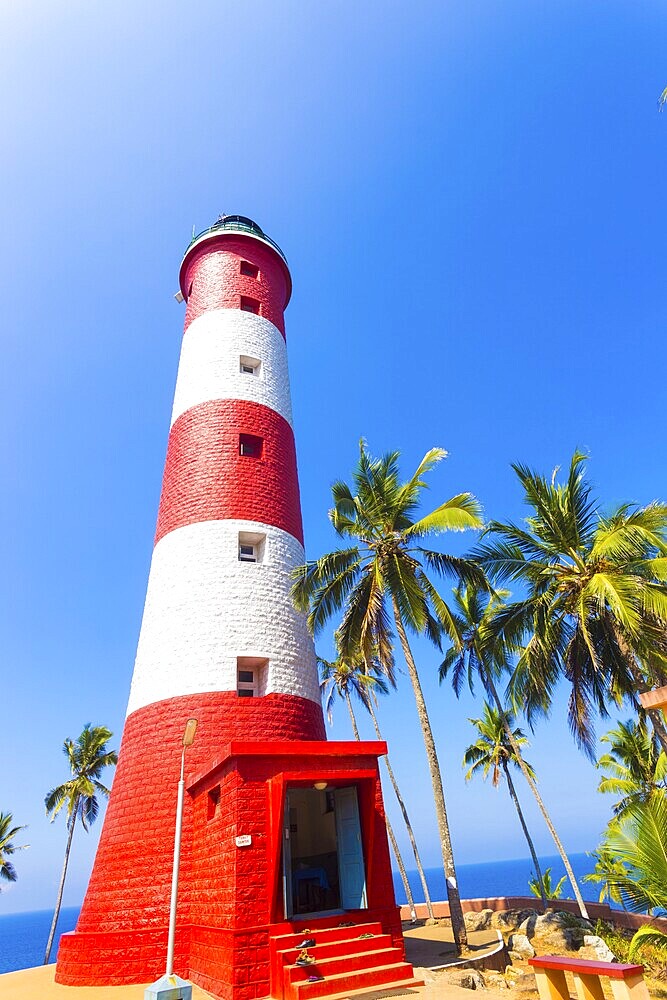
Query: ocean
x=497 y=878
x=23 y=935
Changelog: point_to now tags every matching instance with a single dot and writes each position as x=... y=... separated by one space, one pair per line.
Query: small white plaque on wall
x=244 y=841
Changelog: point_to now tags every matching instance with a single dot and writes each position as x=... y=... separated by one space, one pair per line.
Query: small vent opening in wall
x=213 y=802
x=251 y=673
x=250 y=446
x=249 y=269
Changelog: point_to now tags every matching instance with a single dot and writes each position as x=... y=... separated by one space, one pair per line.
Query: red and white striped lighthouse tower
x=218 y=618
x=221 y=642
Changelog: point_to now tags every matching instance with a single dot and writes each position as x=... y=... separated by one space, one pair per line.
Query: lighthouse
x=281 y=829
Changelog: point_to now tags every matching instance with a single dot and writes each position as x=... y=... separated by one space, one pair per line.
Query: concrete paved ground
x=426 y=947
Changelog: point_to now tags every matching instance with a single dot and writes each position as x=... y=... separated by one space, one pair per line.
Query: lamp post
x=170 y=986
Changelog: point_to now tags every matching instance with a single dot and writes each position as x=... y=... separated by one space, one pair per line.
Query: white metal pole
x=174 y=876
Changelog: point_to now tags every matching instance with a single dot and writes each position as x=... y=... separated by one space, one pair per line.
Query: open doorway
x=323 y=863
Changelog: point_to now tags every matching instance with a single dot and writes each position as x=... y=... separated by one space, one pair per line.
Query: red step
x=285 y=942
x=402 y=985
x=398 y=974
x=354 y=962
x=334 y=949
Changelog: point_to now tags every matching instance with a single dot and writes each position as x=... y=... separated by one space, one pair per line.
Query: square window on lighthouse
x=250 y=676
x=250 y=270
x=249 y=305
x=248 y=365
x=252 y=546
x=250 y=446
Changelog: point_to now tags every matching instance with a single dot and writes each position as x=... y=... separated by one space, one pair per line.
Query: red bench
x=626 y=981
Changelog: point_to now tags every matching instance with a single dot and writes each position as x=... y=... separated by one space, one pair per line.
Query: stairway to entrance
x=347 y=961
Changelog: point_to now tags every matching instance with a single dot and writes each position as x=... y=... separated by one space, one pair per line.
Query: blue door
x=351 y=874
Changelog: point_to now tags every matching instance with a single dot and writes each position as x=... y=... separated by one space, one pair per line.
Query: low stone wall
x=596 y=911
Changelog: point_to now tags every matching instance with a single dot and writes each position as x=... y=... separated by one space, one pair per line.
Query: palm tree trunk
x=455 y=908
x=538 y=798
x=348 y=702
x=402 y=871
x=406 y=819
x=390 y=832
x=52 y=932
x=531 y=846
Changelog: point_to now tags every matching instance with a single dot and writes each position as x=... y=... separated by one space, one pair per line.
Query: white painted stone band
x=210 y=362
x=204 y=608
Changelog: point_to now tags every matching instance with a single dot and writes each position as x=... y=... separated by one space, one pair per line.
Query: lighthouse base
x=277 y=828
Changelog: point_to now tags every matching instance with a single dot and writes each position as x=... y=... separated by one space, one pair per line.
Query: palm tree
x=636 y=767
x=342 y=678
x=87 y=758
x=607 y=869
x=483 y=654
x=639 y=843
x=541 y=885
x=385 y=568
x=492 y=752
x=595 y=603
x=7 y=847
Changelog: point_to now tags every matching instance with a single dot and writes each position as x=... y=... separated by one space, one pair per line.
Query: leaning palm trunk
x=538 y=798
x=531 y=846
x=406 y=819
x=402 y=871
x=390 y=832
x=56 y=914
x=353 y=720
x=453 y=896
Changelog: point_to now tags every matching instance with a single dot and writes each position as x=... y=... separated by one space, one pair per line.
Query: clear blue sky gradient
x=470 y=196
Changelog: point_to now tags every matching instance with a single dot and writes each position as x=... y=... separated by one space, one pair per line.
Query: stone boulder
x=557 y=930
x=510 y=920
x=478 y=921
x=596 y=949
x=469 y=979
x=520 y=947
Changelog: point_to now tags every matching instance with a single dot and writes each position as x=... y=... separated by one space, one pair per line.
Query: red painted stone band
x=211 y=278
x=207 y=479
x=130 y=885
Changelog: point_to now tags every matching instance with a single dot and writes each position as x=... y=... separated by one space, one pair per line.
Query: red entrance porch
x=240 y=936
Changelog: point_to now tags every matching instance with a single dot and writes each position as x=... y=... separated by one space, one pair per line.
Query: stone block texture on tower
x=218 y=622
x=221 y=642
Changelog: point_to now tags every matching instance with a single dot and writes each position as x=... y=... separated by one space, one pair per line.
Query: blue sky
x=470 y=198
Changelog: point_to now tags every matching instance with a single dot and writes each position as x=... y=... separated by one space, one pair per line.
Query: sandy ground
x=426 y=947
x=38 y=984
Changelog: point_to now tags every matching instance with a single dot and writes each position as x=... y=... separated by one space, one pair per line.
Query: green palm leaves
x=545 y=886
x=492 y=750
x=87 y=757
x=387 y=561
x=594 y=601
x=8 y=847
x=640 y=843
x=345 y=677
x=635 y=767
